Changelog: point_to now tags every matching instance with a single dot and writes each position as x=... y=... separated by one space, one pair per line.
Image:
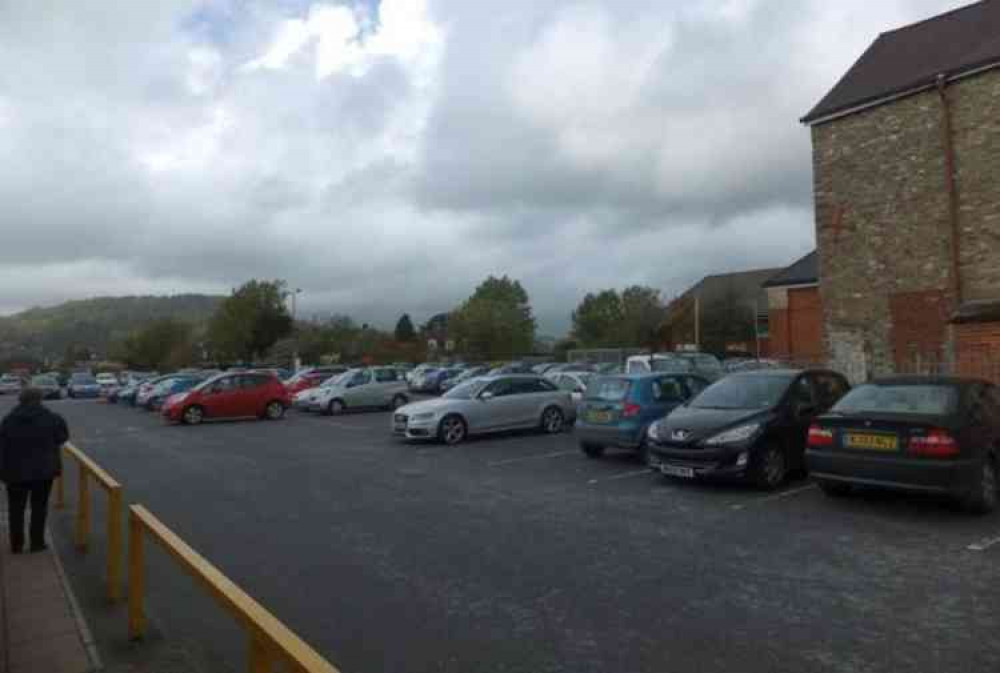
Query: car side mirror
x=486 y=396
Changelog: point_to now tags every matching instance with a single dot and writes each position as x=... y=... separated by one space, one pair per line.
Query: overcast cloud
x=386 y=156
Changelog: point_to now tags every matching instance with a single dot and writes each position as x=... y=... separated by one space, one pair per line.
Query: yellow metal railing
x=270 y=641
x=87 y=469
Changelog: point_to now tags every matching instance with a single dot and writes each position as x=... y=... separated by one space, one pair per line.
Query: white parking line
x=555 y=454
x=771 y=498
x=622 y=475
x=984 y=544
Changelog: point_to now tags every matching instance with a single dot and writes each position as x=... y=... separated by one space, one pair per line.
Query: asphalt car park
x=517 y=553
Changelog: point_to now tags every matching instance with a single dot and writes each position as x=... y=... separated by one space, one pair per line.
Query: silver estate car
x=369 y=388
x=487 y=404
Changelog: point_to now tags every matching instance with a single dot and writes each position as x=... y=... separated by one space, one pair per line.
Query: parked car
x=487 y=404
x=921 y=434
x=368 y=388
x=575 y=383
x=312 y=377
x=432 y=380
x=752 y=425
x=10 y=384
x=147 y=391
x=617 y=411
x=48 y=386
x=420 y=369
x=465 y=375
x=571 y=367
x=229 y=395
x=82 y=384
x=169 y=387
x=107 y=382
x=705 y=365
x=307 y=400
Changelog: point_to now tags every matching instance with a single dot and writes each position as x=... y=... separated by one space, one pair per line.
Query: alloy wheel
x=452 y=430
x=774 y=466
x=275 y=410
x=193 y=415
x=552 y=420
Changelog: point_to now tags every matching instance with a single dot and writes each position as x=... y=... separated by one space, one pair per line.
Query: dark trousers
x=17 y=500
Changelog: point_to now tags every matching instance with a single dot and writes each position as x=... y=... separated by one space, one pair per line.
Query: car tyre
x=398 y=401
x=769 y=468
x=193 y=415
x=643 y=451
x=452 y=430
x=274 y=410
x=592 y=450
x=335 y=408
x=553 y=420
x=835 y=489
x=983 y=497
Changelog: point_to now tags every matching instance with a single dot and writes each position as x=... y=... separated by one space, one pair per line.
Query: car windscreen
x=743 y=392
x=922 y=400
x=334 y=380
x=608 y=389
x=467 y=390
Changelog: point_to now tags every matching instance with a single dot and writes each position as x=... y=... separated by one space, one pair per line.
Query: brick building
x=906 y=159
x=795 y=315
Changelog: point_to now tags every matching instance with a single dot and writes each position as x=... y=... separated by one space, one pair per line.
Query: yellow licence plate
x=872 y=442
x=599 y=417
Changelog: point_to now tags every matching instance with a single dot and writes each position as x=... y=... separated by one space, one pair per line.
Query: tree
x=495 y=322
x=251 y=320
x=404 y=329
x=162 y=344
x=612 y=319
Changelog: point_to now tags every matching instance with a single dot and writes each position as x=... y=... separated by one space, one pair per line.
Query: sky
x=386 y=156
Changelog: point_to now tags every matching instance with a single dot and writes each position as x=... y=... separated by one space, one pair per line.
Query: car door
x=383 y=386
x=359 y=392
x=499 y=409
x=531 y=396
x=801 y=407
x=249 y=398
x=220 y=399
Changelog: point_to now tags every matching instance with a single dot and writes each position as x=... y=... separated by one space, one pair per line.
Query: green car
x=368 y=388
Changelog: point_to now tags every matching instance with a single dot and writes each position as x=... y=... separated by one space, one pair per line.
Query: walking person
x=31 y=439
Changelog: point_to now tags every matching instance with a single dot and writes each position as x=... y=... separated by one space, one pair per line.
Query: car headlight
x=426 y=416
x=654 y=431
x=738 y=434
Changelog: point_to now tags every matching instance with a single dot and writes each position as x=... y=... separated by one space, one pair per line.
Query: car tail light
x=820 y=436
x=631 y=410
x=936 y=444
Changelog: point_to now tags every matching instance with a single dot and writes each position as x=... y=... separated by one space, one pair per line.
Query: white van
x=703 y=364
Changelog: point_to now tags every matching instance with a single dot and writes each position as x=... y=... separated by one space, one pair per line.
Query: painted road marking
x=984 y=544
x=554 y=454
x=771 y=498
x=622 y=475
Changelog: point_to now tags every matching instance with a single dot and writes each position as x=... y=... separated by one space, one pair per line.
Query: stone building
x=906 y=160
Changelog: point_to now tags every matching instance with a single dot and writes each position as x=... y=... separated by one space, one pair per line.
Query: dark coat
x=31 y=437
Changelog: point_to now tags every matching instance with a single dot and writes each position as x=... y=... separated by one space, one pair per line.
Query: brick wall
x=796 y=324
x=882 y=216
x=919 y=325
x=979 y=350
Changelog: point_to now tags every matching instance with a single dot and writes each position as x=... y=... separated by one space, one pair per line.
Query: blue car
x=83 y=385
x=616 y=411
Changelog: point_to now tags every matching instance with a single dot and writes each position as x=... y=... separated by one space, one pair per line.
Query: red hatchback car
x=229 y=396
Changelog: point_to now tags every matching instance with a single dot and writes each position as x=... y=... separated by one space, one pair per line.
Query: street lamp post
x=295 y=352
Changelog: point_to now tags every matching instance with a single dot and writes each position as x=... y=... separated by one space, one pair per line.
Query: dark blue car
x=616 y=411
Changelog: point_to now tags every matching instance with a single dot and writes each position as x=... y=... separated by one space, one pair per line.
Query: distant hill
x=94 y=323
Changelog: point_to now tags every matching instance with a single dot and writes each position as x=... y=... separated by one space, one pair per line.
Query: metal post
x=136 y=579
x=82 y=509
x=115 y=544
x=259 y=655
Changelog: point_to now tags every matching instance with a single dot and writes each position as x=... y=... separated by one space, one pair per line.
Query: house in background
x=906 y=160
x=795 y=314
x=720 y=313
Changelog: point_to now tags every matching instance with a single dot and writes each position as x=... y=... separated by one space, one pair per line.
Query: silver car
x=369 y=388
x=9 y=384
x=487 y=404
x=308 y=399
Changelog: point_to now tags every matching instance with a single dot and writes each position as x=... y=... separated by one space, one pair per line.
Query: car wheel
x=398 y=401
x=452 y=430
x=335 y=408
x=770 y=467
x=835 y=489
x=553 y=420
x=643 y=452
x=193 y=415
x=592 y=450
x=983 y=497
x=274 y=410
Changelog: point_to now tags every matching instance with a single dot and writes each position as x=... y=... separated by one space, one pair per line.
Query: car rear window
x=935 y=400
x=608 y=389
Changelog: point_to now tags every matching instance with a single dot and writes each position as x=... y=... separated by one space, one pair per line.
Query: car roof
x=636 y=376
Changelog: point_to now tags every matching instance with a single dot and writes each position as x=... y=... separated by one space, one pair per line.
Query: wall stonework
x=882 y=217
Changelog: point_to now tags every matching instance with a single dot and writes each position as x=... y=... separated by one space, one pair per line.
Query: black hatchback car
x=752 y=425
x=923 y=434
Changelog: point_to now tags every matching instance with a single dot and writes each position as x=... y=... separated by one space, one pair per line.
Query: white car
x=107 y=383
x=487 y=404
x=9 y=385
x=308 y=399
x=575 y=383
x=371 y=388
